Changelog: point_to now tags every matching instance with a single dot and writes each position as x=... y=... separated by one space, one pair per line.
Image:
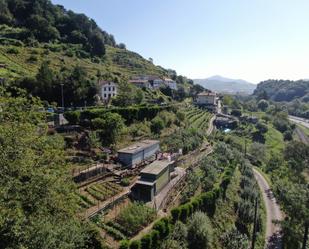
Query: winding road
x=273 y=231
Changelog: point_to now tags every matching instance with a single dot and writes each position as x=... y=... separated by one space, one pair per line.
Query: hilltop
x=284 y=90
x=225 y=85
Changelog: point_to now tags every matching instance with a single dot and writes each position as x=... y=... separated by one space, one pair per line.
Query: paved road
x=273 y=231
x=302 y=121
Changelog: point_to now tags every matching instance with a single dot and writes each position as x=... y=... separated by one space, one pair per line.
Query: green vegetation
x=128 y=222
x=37 y=193
x=103 y=191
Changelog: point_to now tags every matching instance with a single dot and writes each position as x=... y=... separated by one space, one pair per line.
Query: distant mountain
x=225 y=85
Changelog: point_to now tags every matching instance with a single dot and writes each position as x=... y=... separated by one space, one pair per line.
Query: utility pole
x=305 y=235
x=245 y=147
x=254 y=224
x=62 y=96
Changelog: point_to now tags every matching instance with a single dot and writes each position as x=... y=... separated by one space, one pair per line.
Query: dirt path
x=273 y=231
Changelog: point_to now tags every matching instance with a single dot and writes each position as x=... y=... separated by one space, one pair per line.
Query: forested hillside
x=44 y=46
x=284 y=90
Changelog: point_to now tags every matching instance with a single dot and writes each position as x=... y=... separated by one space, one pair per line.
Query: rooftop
x=105 y=82
x=138 y=81
x=156 y=167
x=207 y=94
x=134 y=148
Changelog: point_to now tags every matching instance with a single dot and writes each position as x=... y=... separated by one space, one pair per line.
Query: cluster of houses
x=109 y=89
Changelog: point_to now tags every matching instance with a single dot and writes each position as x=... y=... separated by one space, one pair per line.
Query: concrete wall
x=162 y=180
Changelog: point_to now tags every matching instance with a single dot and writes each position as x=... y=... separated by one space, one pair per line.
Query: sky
x=254 y=40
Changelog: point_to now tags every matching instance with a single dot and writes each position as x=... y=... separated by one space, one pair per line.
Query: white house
x=170 y=83
x=108 y=89
x=206 y=98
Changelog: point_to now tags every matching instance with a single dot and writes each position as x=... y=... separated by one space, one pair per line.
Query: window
x=109 y=95
x=104 y=95
x=113 y=88
x=109 y=89
x=104 y=88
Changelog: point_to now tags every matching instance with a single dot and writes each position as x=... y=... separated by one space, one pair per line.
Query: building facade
x=140 y=83
x=108 y=90
x=170 y=83
x=152 y=180
x=137 y=153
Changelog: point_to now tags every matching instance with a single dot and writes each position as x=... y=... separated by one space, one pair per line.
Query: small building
x=170 y=83
x=140 y=83
x=108 y=90
x=137 y=153
x=157 y=83
x=208 y=100
x=152 y=180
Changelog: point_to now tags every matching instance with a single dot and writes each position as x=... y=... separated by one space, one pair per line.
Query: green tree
x=263 y=105
x=157 y=124
x=109 y=127
x=200 y=233
x=37 y=201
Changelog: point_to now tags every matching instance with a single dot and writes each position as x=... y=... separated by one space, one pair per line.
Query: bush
x=12 y=50
x=200 y=233
x=33 y=58
x=124 y=244
x=157 y=124
x=135 y=216
x=155 y=239
x=146 y=242
x=236 y=112
x=135 y=244
x=175 y=214
x=125 y=182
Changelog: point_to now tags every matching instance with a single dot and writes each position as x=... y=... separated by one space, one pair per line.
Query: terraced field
x=198 y=118
x=98 y=192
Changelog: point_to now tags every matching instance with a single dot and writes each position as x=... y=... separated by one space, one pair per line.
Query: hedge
x=129 y=114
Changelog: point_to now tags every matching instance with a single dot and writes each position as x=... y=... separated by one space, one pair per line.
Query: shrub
x=33 y=58
x=200 y=233
x=125 y=182
x=146 y=242
x=135 y=216
x=175 y=214
x=12 y=50
x=124 y=244
x=135 y=244
x=155 y=239
x=162 y=226
x=157 y=124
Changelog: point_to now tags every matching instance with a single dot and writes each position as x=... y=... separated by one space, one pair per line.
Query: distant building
x=137 y=153
x=208 y=100
x=152 y=180
x=140 y=83
x=108 y=89
x=157 y=83
x=170 y=83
